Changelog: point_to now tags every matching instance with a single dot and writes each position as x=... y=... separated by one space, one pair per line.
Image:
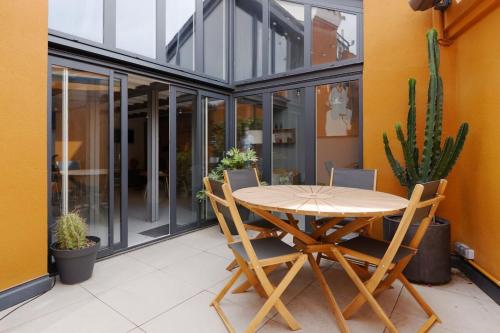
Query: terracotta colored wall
x=474 y=195
x=23 y=89
x=395 y=49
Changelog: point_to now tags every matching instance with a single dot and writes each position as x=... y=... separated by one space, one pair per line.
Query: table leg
x=328 y=294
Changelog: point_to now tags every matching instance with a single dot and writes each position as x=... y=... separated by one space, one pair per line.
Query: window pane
x=337 y=128
x=216 y=120
x=247 y=39
x=80 y=134
x=187 y=160
x=82 y=18
x=214 y=39
x=249 y=124
x=117 y=160
x=136 y=26
x=334 y=36
x=288 y=137
x=286 y=28
x=180 y=32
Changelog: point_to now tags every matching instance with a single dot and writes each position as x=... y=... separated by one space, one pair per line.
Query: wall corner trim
x=25 y=291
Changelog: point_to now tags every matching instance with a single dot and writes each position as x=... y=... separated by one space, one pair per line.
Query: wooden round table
x=314 y=200
x=327 y=201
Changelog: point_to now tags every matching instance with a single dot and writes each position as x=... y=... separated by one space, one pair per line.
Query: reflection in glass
x=334 y=36
x=148 y=133
x=249 y=117
x=117 y=159
x=163 y=156
x=288 y=137
x=180 y=31
x=80 y=162
x=215 y=139
x=214 y=39
x=337 y=128
x=247 y=39
x=187 y=167
x=215 y=132
x=82 y=18
x=136 y=26
x=286 y=28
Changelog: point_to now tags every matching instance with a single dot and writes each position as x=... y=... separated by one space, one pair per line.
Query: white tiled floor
x=167 y=287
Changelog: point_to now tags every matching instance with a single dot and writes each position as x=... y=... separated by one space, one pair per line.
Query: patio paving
x=167 y=287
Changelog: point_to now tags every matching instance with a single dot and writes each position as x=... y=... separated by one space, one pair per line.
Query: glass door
x=80 y=149
x=188 y=158
x=148 y=136
x=214 y=136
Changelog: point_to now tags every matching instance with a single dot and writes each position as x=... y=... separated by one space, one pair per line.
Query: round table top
x=315 y=200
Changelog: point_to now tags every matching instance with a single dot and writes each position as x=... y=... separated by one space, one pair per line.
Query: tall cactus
x=436 y=161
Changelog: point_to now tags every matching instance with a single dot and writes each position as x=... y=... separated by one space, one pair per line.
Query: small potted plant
x=74 y=252
x=432 y=264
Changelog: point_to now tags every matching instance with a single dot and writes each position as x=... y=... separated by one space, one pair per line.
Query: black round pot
x=75 y=266
x=432 y=263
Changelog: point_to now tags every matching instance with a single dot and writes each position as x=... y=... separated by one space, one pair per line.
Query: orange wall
x=474 y=195
x=23 y=90
x=395 y=50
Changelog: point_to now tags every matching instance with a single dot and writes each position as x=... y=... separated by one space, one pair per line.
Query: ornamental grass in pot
x=74 y=252
x=432 y=263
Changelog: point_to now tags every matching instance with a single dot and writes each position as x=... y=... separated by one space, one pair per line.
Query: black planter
x=432 y=263
x=75 y=266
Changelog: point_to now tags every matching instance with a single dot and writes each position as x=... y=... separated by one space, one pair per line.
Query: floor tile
x=112 y=272
x=195 y=316
x=57 y=298
x=89 y=315
x=456 y=311
x=202 y=270
x=205 y=239
x=406 y=323
x=146 y=297
x=222 y=251
x=164 y=253
x=310 y=308
x=251 y=299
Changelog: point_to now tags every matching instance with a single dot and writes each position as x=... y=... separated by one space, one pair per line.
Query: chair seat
x=265 y=248
x=261 y=223
x=375 y=248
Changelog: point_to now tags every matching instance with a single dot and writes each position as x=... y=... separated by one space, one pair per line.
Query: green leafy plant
x=437 y=160
x=234 y=159
x=71 y=232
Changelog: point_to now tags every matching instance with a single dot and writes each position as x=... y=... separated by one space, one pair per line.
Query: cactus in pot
x=431 y=264
x=71 y=232
x=437 y=159
x=74 y=252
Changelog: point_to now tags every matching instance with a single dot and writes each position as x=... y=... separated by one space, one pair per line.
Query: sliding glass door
x=129 y=153
x=80 y=147
x=148 y=159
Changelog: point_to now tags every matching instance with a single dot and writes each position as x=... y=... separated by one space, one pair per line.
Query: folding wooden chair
x=365 y=179
x=391 y=258
x=256 y=259
x=242 y=178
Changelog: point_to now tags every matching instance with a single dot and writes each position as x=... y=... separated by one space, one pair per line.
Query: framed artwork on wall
x=337 y=109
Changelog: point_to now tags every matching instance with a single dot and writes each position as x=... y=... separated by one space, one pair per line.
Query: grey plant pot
x=75 y=266
x=432 y=263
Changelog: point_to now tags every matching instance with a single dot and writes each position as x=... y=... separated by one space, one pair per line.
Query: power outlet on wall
x=464 y=250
